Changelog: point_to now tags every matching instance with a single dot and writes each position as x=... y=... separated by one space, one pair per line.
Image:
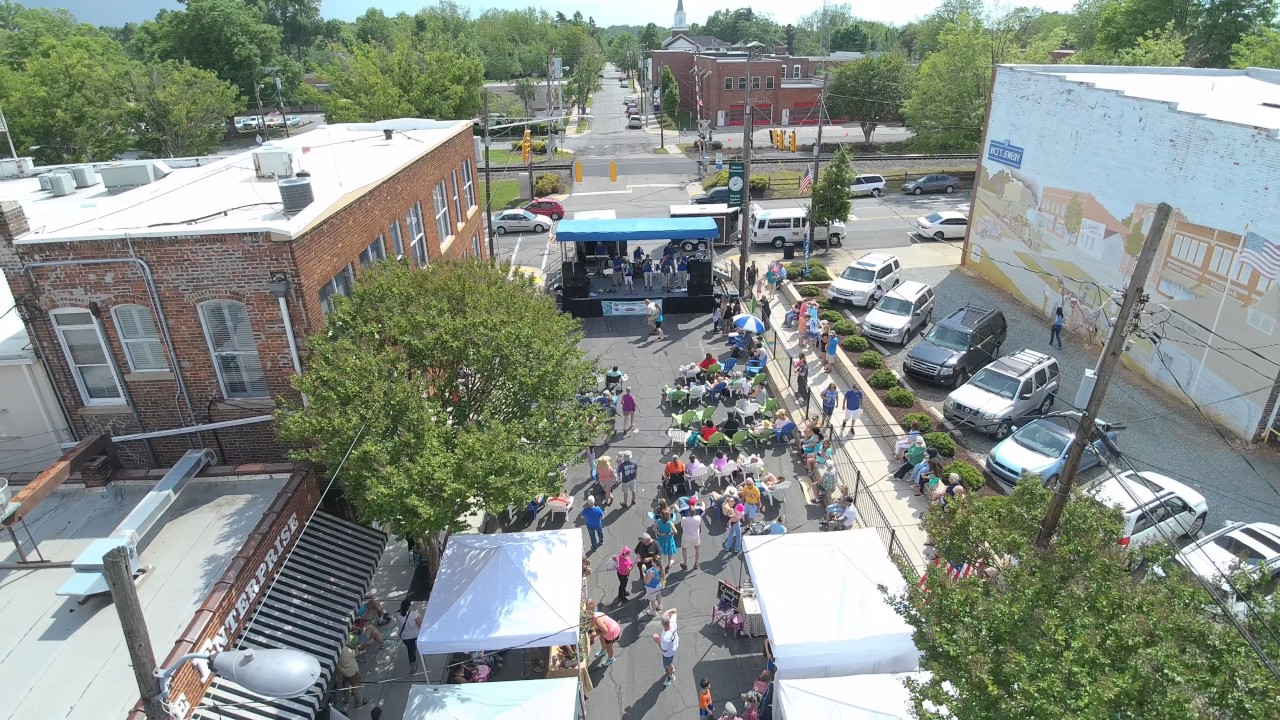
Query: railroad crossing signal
x=793 y=141
x=526 y=147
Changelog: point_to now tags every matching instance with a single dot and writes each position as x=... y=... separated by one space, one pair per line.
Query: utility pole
x=817 y=156
x=285 y=118
x=745 y=229
x=115 y=565
x=262 y=119
x=1134 y=298
x=488 y=182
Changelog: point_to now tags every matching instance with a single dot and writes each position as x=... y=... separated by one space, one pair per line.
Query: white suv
x=872 y=185
x=1156 y=508
x=858 y=282
x=900 y=313
x=1251 y=547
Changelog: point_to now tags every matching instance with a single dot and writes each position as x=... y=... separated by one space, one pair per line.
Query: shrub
x=719 y=179
x=922 y=420
x=535 y=146
x=970 y=476
x=817 y=272
x=945 y=444
x=900 y=397
x=809 y=290
x=871 y=359
x=831 y=316
x=547 y=184
x=717 y=145
x=883 y=380
x=844 y=327
x=824 y=303
x=795 y=269
x=854 y=344
x=758 y=183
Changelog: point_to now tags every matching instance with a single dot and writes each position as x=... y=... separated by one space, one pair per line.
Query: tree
x=181 y=110
x=651 y=37
x=526 y=90
x=1221 y=24
x=293 y=17
x=1166 y=48
x=464 y=383
x=948 y=101
x=1075 y=215
x=1069 y=633
x=670 y=94
x=1123 y=23
x=870 y=90
x=742 y=25
x=360 y=88
x=830 y=201
x=624 y=52
x=1260 y=49
x=584 y=80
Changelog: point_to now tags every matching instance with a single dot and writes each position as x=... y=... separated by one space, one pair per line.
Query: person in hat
x=349 y=671
x=951 y=488
x=627 y=474
x=905 y=441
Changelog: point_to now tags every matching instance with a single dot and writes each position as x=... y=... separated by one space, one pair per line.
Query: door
x=1180 y=517
x=786 y=116
x=719 y=118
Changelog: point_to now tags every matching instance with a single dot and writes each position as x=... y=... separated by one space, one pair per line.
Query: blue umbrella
x=748 y=322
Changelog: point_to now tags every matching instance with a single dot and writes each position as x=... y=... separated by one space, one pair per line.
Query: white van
x=780 y=226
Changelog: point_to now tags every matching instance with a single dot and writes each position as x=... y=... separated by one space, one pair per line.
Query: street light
x=275 y=674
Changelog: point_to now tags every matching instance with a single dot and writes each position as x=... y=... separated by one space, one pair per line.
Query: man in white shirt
x=850 y=515
x=691 y=533
x=668 y=642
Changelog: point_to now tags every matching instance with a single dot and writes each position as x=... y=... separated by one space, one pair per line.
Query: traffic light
x=613 y=171
x=793 y=141
x=526 y=147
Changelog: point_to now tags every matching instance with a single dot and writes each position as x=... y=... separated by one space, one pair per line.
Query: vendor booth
x=586 y=283
x=853 y=697
x=823 y=611
x=556 y=699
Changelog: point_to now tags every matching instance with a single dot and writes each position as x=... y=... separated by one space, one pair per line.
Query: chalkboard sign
x=728 y=592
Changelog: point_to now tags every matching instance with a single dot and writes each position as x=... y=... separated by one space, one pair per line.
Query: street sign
x=704 y=125
x=719 y=162
x=736 y=183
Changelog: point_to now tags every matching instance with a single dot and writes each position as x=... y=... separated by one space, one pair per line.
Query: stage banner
x=615 y=308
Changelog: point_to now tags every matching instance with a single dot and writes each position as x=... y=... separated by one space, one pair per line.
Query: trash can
x=789 y=251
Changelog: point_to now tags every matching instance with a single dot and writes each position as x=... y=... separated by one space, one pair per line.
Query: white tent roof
x=504 y=591
x=822 y=608
x=853 y=697
x=555 y=699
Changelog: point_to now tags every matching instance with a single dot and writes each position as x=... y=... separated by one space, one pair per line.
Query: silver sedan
x=519 y=220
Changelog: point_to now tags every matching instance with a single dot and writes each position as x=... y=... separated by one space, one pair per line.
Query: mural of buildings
x=1075 y=161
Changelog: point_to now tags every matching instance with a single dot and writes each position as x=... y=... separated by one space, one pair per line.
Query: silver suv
x=1010 y=388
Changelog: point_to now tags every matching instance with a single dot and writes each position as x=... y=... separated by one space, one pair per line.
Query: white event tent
x=822 y=607
x=853 y=697
x=494 y=592
x=554 y=699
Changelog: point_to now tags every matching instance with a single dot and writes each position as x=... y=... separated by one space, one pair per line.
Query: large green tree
x=1123 y=23
x=1166 y=48
x=742 y=25
x=1070 y=633
x=464 y=383
x=1221 y=24
x=181 y=110
x=869 y=91
x=624 y=52
x=670 y=94
x=651 y=37
x=584 y=80
x=830 y=201
x=1259 y=49
x=948 y=102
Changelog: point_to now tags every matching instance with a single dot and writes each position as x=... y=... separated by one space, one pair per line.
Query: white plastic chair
x=724 y=477
x=751 y=470
x=696 y=394
x=697 y=476
x=779 y=487
x=679 y=438
x=555 y=506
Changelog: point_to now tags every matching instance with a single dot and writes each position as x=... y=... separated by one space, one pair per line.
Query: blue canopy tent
x=636 y=229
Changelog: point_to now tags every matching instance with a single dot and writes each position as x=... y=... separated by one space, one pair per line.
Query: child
x=705 y=706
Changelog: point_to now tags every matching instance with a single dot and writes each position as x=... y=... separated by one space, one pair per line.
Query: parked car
x=635 y=123
x=632 y=111
x=713 y=196
x=247 y=123
x=1012 y=387
x=1156 y=507
x=858 y=282
x=1040 y=448
x=867 y=185
x=944 y=225
x=902 y=312
x=293 y=121
x=518 y=220
x=1253 y=547
x=546 y=207
x=958 y=346
x=931 y=184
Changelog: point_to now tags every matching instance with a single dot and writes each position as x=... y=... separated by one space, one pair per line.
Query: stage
x=604 y=299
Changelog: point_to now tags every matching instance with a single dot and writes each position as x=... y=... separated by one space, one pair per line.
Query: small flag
x=807 y=181
x=1261 y=254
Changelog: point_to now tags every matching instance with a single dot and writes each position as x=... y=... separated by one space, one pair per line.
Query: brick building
x=177 y=295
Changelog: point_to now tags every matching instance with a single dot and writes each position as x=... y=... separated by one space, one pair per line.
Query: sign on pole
x=719 y=161
x=736 y=172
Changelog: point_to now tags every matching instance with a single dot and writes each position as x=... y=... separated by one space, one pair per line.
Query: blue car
x=1040 y=448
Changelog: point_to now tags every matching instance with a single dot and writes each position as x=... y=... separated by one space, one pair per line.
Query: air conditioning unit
x=295 y=194
x=127 y=175
x=85 y=176
x=5 y=493
x=273 y=163
x=16 y=167
x=61 y=184
x=46 y=183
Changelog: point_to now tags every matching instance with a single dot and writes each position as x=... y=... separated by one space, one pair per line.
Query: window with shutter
x=140 y=338
x=235 y=354
x=86 y=353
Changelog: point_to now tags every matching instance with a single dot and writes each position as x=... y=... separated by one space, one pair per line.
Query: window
x=417 y=235
x=742 y=83
x=784 y=72
x=376 y=252
x=457 y=204
x=1220 y=262
x=235 y=355
x=768 y=82
x=795 y=72
x=475 y=245
x=728 y=83
x=442 y=211
x=780 y=223
x=87 y=355
x=755 y=82
x=339 y=285
x=1261 y=321
x=468 y=184
x=1042 y=378
x=1189 y=250
x=140 y=339
x=397 y=240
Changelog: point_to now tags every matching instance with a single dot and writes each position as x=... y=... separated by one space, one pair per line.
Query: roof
x=703 y=41
x=202 y=196
x=1248 y=97
x=553 y=699
x=967 y=317
x=908 y=289
x=635 y=229
x=65 y=660
x=873 y=259
x=1130 y=490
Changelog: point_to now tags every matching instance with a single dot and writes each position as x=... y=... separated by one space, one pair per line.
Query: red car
x=546 y=207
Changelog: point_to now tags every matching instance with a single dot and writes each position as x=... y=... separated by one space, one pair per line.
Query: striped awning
x=309 y=609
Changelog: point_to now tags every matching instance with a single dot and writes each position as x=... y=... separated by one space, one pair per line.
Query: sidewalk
x=869 y=449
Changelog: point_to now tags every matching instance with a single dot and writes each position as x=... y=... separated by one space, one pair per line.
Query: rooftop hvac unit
x=16 y=167
x=46 y=183
x=296 y=194
x=61 y=184
x=127 y=175
x=273 y=163
x=85 y=176
x=5 y=493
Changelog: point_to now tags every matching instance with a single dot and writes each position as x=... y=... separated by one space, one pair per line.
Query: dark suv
x=958 y=346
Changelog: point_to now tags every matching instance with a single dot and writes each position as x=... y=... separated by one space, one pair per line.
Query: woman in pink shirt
x=628 y=411
x=605 y=628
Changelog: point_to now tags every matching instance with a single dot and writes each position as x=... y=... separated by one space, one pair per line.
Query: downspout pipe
x=279 y=287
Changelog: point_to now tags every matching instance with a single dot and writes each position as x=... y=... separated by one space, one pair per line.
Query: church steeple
x=679 y=24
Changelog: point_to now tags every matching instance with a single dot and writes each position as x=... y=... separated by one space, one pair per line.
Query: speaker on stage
x=574 y=280
x=700 y=271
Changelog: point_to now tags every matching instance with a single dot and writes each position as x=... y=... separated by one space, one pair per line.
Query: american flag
x=807 y=180
x=1261 y=254
x=954 y=572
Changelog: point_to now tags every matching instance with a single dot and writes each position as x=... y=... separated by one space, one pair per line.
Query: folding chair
x=725 y=476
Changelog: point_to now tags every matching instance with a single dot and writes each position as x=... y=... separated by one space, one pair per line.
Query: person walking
x=606 y=630
x=764 y=311
x=651 y=315
x=625 y=563
x=830 y=397
x=653 y=585
x=705 y=704
x=691 y=534
x=629 y=406
x=852 y=409
x=627 y=472
x=750 y=495
x=753 y=272
x=666 y=532
x=733 y=539
x=833 y=344
x=349 y=671
x=717 y=317
x=657 y=325
x=593 y=517
x=1055 y=330
x=410 y=625
x=606 y=476
x=668 y=642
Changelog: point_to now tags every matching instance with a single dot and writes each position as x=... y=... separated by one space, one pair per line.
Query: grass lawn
x=512 y=157
x=582 y=125
x=506 y=194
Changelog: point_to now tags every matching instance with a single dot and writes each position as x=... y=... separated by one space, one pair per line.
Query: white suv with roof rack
x=1253 y=548
x=1014 y=386
x=858 y=282
x=1156 y=507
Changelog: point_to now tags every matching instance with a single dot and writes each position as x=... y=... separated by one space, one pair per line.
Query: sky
x=898 y=12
